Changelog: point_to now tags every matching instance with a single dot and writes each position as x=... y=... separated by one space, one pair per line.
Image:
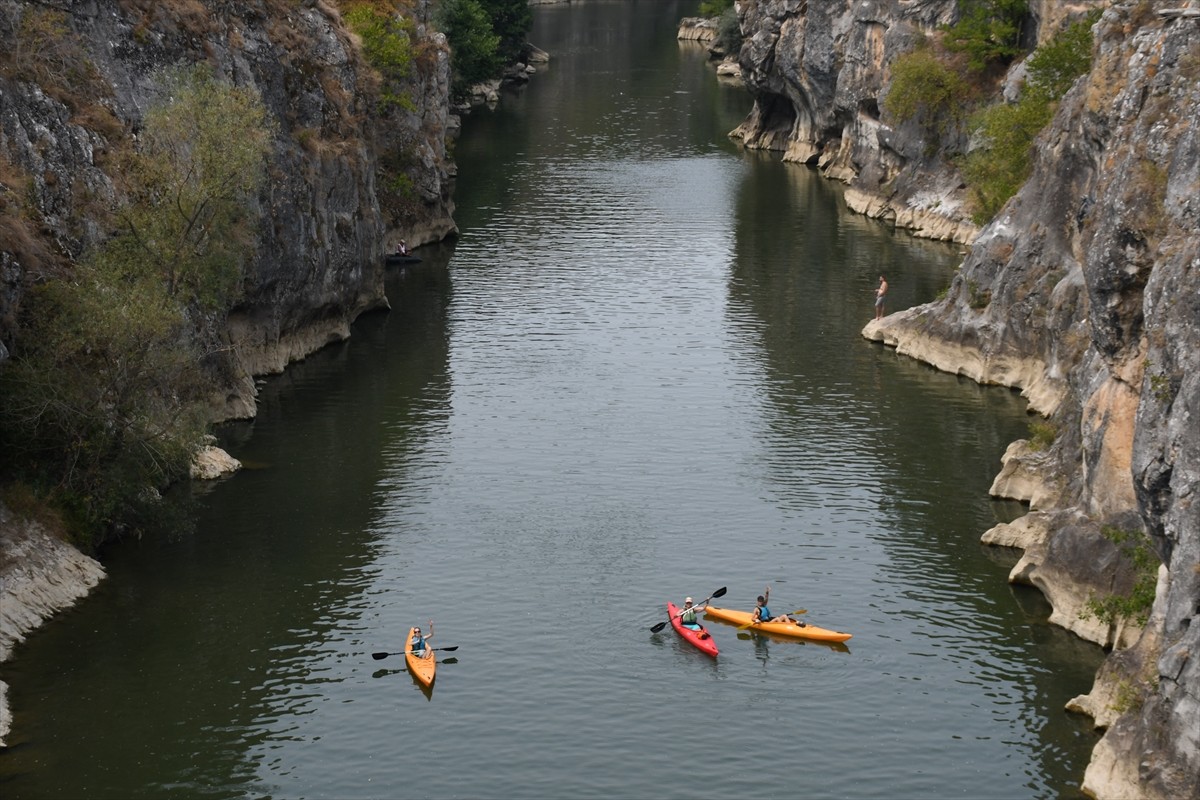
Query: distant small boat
x=396 y=260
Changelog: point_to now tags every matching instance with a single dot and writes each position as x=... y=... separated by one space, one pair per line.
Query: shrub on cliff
x=102 y=402
x=925 y=88
x=988 y=31
x=729 y=32
x=997 y=168
x=387 y=44
x=1135 y=604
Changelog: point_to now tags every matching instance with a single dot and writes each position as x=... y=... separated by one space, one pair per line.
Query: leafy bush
x=1041 y=435
x=1055 y=65
x=1135 y=606
x=474 y=48
x=997 y=169
x=715 y=8
x=988 y=31
x=103 y=400
x=729 y=31
x=925 y=88
x=387 y=44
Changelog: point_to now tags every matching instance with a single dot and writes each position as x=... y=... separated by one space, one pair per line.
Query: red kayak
x=701 y=639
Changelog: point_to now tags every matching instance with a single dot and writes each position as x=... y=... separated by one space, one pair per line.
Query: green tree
x=988 y=31
x=511 y=21
x=102 y=402
x=474 y=47
x=1054 y=66
x=200 y=161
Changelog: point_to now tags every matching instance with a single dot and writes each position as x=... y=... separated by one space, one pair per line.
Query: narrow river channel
x=636 y=375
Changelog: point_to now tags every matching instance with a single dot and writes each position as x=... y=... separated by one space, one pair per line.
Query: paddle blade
x=743 y=627
x=719 y=592
x=378 y=656
x=799 y=611
x=448 y=649
x=658 y=627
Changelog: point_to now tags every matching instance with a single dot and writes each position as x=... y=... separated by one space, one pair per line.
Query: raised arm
x=430 y=634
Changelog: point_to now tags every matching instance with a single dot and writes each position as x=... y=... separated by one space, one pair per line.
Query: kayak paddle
x=378 y=656
x=659 y=626
x=797 y=611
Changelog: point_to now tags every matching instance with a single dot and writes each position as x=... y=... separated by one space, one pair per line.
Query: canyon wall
x=326 y=215
x=1084 y=293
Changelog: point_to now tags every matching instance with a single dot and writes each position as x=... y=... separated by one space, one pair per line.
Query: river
x=636 y=375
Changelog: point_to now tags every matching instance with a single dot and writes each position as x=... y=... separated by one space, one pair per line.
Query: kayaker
x=418 y=641
x=763 y=614
x=687 y=617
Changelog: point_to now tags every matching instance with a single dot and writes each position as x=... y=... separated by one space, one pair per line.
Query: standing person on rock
x=880 y=294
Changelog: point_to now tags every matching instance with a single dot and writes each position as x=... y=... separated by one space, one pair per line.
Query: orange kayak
x=794 y=629
x=422 y=668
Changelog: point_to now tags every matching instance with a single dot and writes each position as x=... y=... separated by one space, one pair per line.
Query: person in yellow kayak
x=763 y=614
x=687 y=616
x=418 y=641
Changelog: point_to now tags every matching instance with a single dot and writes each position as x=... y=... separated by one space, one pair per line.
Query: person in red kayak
x=763 y=614
x=687 y=616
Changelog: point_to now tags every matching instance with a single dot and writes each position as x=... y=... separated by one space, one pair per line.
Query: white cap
x=687 y=599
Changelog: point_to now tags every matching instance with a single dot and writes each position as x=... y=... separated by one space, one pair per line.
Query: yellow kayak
x=794 y=629
x=422 y=667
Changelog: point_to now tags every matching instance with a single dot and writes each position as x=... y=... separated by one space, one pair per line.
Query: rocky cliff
x=347 y=178
x=1084 y=293
x=80 y=74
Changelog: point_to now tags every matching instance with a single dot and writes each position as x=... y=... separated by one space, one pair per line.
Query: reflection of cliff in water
x=852 y=432
x=245 y=625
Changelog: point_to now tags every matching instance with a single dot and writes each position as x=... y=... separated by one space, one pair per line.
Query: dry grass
x=20 y=233
x=187 y=17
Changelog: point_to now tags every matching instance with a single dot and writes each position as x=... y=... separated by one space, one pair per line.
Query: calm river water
x=637 y=375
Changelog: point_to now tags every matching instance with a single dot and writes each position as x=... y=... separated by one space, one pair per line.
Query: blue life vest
x=418 y=643
x=764 y=613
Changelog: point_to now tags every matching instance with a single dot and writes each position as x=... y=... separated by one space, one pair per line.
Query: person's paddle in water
x=763 y=614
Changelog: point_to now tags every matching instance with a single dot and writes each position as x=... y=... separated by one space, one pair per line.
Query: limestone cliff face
x=817 y=72
x=326 y=220
x=1085 y=293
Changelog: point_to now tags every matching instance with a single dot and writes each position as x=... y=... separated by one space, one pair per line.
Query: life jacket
x=418 y=643
x=764 y=613
x=688 y=617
